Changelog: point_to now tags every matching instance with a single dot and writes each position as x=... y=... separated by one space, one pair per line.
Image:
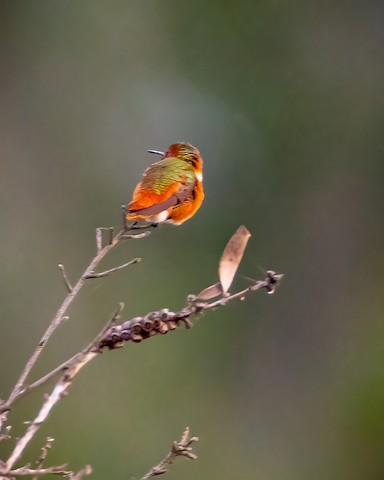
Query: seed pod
x=126 y=325
x=136 y=327
x=163 y=313
x=114 y=334
x=146 y=324
x=172 y=325
x=156 y=324
x=125 y=334
x=163 y=328
x=135 y=337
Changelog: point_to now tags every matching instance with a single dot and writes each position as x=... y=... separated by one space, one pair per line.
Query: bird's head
x=184 y=151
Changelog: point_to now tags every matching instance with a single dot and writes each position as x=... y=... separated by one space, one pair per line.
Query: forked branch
x=70 y=371
x=73 y=291
x=114 y=335
x=179 y=449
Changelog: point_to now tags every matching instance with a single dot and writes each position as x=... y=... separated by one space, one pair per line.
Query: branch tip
x=93 y=274
x=181 y=448
x=65 y=278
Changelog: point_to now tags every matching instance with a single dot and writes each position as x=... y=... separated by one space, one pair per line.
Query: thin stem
x=194 y=308
x=73 y=368
x=113 y=335
x=40 y=381
x=112 y=270
x=26 y=471
x=182 y=448
x=65 y=365
x=65 y=278
x=49 y=403
x=99 y=240
x=87 y=470
x=57 y=319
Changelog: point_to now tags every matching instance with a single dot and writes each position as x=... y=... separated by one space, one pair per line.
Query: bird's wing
x=164 y=185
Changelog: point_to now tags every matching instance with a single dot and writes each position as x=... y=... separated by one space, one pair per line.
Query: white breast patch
x=160 y=217
x=199 y=176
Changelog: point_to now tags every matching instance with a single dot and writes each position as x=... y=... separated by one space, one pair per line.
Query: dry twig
x=163 y=321
x=71 y=370
x=26 y=471
x=136 y=330
x=113 y=336
x=60 y=470
x=65 y=278
x=87 y=470
x=60 y=314
x=44 y=453
x=179 y=449
x=112 y=270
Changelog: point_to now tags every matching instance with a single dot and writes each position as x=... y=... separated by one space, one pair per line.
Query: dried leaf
x=232 y=255
x=210 y=292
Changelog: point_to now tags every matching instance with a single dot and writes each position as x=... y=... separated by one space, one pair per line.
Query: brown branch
x=50 y=401
x=179 y=449
x=7 y=430
x=115 y=269
x=63 y=366
x=65 y=278
x=163 y=321
x=87 y=470
x=58 y=318
x=99 y=239
x=79 y=361
x=27 y=471
x=113 y=336
x=43 y=455
x=157 y=322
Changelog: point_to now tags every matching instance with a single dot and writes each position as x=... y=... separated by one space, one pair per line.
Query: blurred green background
x=285 y=102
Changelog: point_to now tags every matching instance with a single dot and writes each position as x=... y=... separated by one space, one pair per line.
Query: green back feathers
x=159 y=176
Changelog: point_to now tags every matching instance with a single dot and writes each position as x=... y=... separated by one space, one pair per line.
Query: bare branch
x=6 y=435
x=63 y=366
x=163 y=321
x=49 y=403
x=65 y=278
x=72 y=368
x=158 y=322
x=99 y=239
x=57 y=319
x=81 y=473
x=179 y=449
x=44 y=453
x=26 y=471
x=112 y=270
x=60 y=470
x=113 y=336
x=93 y=346
x=136 y=330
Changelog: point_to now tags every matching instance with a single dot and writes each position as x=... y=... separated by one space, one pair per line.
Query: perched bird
x=171 y=190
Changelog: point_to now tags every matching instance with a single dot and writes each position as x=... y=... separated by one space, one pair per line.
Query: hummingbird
x=171 y=190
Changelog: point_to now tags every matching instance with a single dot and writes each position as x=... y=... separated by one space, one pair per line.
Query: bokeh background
x=285 y=101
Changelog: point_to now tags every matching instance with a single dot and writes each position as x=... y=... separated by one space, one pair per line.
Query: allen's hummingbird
x=171 y=190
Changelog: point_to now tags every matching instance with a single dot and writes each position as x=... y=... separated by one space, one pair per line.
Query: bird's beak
x=157 y=152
